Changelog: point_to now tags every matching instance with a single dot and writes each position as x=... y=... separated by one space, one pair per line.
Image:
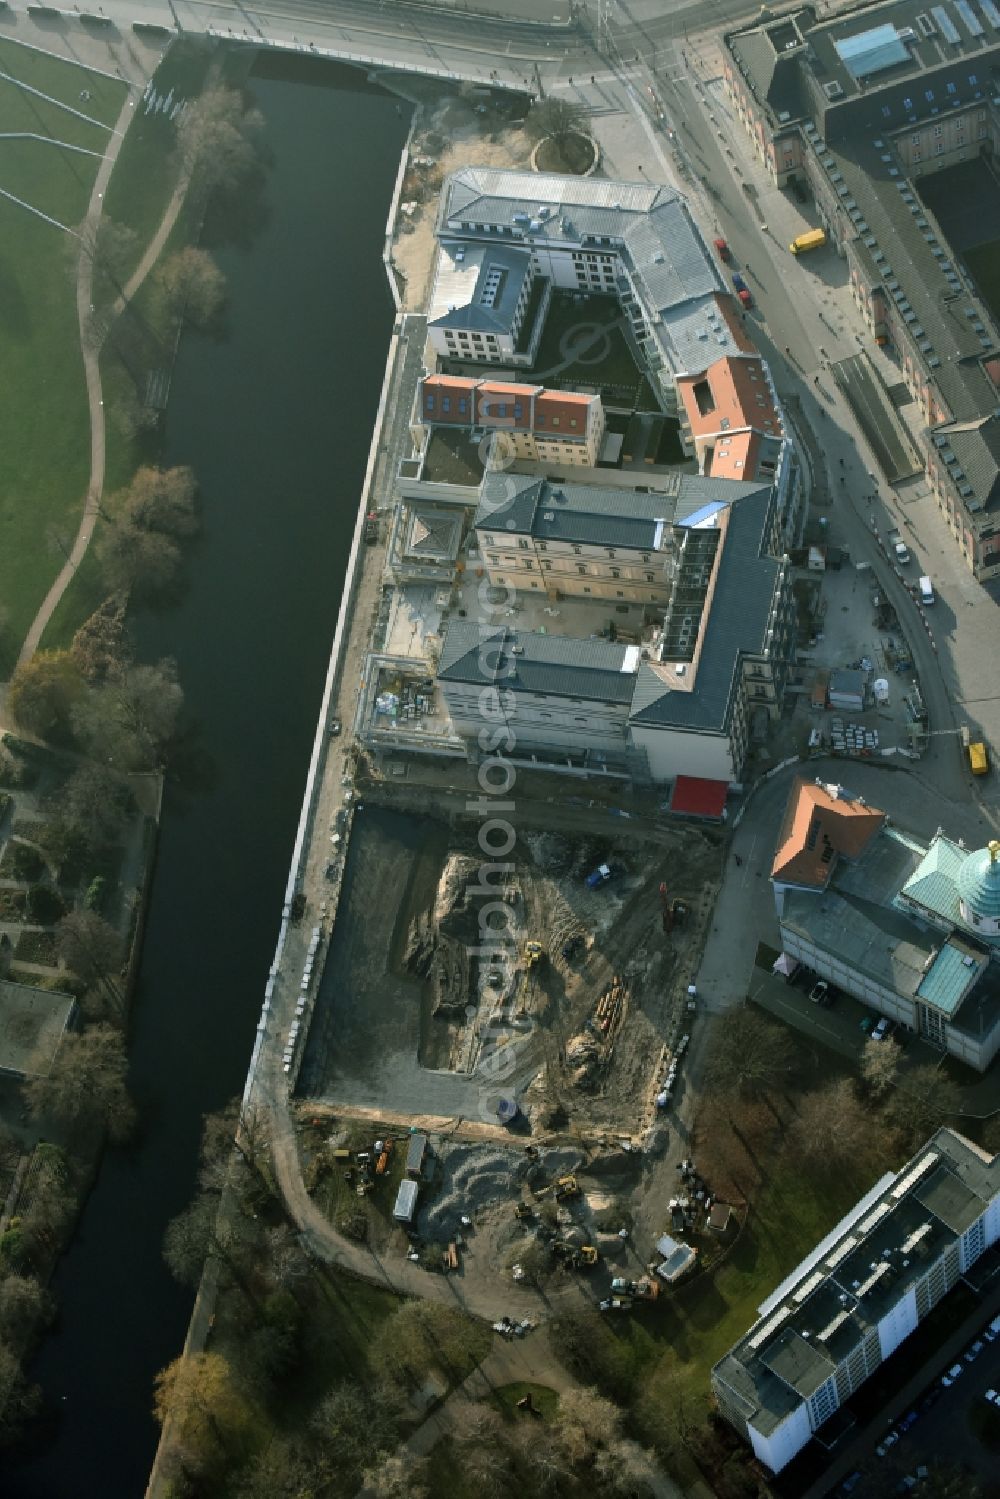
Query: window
x=938 y=130
x=489 y=541
x=886 y=111
x=555 y=421
x=462 y=404
x=586 y=590
x=915 y=140
x=493 y=557
x=939 y=149
x=572 y=421
x=650 y=578
x=973 y=79
x=907 y=104
x=578 y=551
x=543 y=546
x=951 y=88
x=518 y=411
x=581 y=567
x=502 y=408
x=929 y=95
x=616 y=572
x=523 y=544
x=917 y=156
x=619 y=594
x=446 y=403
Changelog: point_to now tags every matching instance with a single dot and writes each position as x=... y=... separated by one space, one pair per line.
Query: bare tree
x=161 y=500
x=879 y=1064
x=215 y=139
x=95 y=804
x=18 y=1400
x=25 y=1307
x=136 y=560
x=751 y=1055
x=397 y=1477
x=923 y=1098
x=192 y=286
x=114 y=249
x=831 y=1127
x=86 y=1084
x=94 y=951
x=201 y=1232
x=129 y=721
x=556 y=118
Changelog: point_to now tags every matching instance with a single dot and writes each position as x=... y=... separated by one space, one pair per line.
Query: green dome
x=979 y=882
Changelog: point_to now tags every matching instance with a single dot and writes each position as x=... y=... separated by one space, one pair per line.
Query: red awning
x=694 y=797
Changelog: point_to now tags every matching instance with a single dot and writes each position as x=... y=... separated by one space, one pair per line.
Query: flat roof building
x=856 y=1298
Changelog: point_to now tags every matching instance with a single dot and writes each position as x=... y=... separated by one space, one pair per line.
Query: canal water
x=275 y=418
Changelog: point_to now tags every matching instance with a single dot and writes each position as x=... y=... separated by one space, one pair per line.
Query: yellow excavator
x=534 y=952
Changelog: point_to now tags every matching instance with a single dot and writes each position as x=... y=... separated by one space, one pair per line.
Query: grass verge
x=44 y=425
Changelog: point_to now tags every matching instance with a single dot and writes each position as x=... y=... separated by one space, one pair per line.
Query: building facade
x=909 y=928
x=860 y=1294
x=524 y=421
x=862 y=106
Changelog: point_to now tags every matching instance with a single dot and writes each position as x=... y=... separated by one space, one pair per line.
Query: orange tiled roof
x=737 y=394
x=821 y=823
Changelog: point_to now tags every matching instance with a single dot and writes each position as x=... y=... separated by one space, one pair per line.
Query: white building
x=910 y=928
x=847 y=1307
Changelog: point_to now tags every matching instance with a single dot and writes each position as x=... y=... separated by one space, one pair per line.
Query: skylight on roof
x=871 y=51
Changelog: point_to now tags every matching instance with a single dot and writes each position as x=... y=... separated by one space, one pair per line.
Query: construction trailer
x=406 y=1202
x=416 y=1155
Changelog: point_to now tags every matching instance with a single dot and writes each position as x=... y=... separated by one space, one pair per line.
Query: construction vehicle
x=382 y=1164
x=523 y=1212
x=598 y=877
x=674 y=911
x=577 y=1257
x=533 y=954
x=564 y=1188
x=812 y=240
x=450 y=1257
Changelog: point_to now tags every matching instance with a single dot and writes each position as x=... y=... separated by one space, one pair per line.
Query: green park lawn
x=145 y=173
x=44 y=428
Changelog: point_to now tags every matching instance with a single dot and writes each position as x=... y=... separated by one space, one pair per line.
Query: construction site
x=550 y=998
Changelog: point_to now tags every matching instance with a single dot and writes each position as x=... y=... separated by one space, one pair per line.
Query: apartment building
x=487 y=304
x=860 y=1294
x=709 y=663
x=910 y=928
x=526 y=421
x=861 y=106
x=576 y=540
x=586 y=234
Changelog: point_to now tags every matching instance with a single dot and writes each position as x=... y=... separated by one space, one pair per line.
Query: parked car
x=886 y=1443
x=850 y=1483
x=908 y=1420
x=723 y=250
x=820 y=992
x=371 y=527
x=993 y=1396
x=993 y=1331
x=881 y=1030
x=974 y=1350
x=955 y=1372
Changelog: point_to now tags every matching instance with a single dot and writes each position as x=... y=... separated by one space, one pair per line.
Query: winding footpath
x=91 y=349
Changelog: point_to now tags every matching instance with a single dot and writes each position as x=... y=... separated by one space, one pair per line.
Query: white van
x=926 y=591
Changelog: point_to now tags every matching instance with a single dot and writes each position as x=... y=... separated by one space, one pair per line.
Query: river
x=275 y=419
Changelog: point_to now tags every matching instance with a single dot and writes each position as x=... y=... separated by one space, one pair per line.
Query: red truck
x=723 y=250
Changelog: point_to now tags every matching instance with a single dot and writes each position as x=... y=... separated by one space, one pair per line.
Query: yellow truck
x=810 y=241
x=979 y=760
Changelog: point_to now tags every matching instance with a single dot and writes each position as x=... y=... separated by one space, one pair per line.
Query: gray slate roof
x=528 y=661
x=496 y=314
x=976 y=445
x=583 y=513
x=652 y=226
x=737 y=625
